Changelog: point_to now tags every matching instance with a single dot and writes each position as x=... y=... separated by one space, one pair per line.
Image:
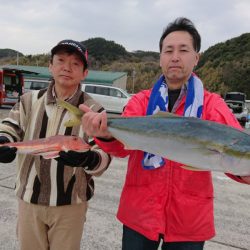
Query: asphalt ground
x=103 y=231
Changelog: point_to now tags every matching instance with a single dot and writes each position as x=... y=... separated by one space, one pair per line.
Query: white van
x=113 y=99
x=35 y=84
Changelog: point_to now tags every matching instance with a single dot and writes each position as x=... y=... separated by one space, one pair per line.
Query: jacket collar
x=51 y=95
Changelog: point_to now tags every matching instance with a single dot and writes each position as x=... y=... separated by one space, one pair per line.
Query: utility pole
x=133 y=80
x=17 y=59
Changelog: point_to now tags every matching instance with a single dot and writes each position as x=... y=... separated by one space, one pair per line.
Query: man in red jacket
x=160 y=199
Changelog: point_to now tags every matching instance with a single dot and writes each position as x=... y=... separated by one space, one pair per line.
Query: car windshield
x=235 y=97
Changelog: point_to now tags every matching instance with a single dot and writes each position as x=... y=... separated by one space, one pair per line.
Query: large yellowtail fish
x=51 y=146
x=196 y=143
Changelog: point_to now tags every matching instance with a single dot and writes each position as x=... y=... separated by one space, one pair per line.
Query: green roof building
x=118 y=79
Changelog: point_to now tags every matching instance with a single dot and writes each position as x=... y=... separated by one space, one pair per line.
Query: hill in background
x=223 y=67
x=226 y=66
x=8 y=54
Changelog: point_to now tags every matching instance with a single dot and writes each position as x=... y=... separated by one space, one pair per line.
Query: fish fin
x=71 y=108
x=209 y=150
x=192 y=168
x=245 y=132
x=170 y=115
x=165 y=114
x=75 y=112
x=72 y=122
x=215 y=149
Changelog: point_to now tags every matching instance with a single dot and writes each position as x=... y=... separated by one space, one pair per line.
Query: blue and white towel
x=159 y=102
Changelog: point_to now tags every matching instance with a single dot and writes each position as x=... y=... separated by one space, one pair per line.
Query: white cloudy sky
x=34 y=27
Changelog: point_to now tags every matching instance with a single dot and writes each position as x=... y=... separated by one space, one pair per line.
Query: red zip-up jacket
x=169 y=200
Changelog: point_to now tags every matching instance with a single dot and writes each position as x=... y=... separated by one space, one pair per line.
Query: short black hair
x=182 y=24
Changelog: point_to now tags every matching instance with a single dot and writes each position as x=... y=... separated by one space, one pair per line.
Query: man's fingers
x=85 y=108
x=97 y=121
x=103 y=125
x=93 y=123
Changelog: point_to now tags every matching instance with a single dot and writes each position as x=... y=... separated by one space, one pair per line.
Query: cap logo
x=73 y=44
x=85 y=53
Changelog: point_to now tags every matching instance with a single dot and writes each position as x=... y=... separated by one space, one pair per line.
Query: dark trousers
x=131 y=240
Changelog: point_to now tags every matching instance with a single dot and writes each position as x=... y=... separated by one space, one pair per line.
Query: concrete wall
x=121 y=82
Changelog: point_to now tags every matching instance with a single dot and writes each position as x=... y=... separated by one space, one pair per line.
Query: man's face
x=67 y=69
x=178 y=58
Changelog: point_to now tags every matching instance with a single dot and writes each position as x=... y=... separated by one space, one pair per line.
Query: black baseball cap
x=78 y=47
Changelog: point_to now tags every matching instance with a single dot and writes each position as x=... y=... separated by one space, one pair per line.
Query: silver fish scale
x=189 y=128
x=191 y=141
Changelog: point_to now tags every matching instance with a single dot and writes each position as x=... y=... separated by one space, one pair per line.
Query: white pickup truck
x=236 y=101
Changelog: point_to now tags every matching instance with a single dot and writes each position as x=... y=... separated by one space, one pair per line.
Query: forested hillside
x=8 y=54
x=223 y=67
x=226 y=66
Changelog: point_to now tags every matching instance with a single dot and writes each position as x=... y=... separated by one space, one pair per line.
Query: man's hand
x=87 y=160
x=95 y=124
x=7 y=154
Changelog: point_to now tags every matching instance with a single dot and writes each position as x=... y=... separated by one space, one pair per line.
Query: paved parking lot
x=103 y=231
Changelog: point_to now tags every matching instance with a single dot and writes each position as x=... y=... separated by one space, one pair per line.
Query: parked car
x=113 y=99
x=236 y=101
x=35 y=84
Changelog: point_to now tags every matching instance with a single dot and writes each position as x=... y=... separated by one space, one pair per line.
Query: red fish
x=51 y=146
